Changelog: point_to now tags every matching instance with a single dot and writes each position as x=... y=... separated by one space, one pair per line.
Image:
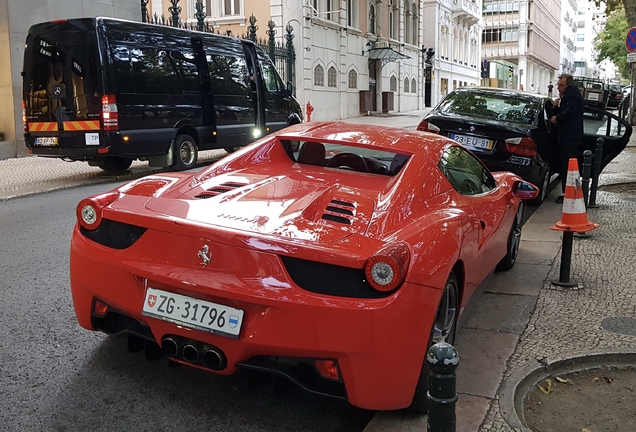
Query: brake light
x=110 y=116
x=427 y=127
x=24 y=119
x=89 y=210
x=386 y=270
x=328 y=369
x=522 y=146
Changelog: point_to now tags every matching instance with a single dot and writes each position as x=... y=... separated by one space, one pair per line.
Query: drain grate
x=620 y=325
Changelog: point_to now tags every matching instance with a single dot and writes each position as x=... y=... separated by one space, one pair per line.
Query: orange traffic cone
x=574 y=215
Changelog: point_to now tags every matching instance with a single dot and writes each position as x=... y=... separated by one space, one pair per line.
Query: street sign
x=631 y=57
x=630 y=40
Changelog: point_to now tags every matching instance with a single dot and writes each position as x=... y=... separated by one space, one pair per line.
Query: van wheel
x=115 y=163
x=231 y=149
x=185 y=153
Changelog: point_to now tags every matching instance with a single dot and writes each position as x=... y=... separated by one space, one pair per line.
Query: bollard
x=587 y=170
x=443 y=360
x=596 y=171
x=566 y=259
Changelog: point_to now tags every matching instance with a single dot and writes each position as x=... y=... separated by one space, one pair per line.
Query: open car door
x=602 y=124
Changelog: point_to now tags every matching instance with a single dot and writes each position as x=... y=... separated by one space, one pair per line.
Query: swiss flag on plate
x=152 y=300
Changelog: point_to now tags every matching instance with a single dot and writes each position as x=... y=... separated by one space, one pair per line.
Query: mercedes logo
x=472 y=128
x=57 y=90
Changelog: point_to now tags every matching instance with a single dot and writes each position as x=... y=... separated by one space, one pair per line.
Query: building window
x=319 y=76
x=372 y=18
x=331 y=77
x=415 y=25
x=581 y=24
x=393 y=83
x=406 y=85
x=580 y=37
x=413 y=86
x=231 y=7
x=407 y=23
x=352 y=13
x=353 y=79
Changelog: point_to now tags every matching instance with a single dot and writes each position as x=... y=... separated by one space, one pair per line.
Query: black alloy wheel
x=514 y=240
x=543 y=189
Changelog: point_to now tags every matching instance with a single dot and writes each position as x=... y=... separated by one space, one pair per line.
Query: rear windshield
x=492 y=106
x=60 y=75
x=342 y=156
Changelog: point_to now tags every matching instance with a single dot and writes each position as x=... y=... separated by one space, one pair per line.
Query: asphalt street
x=521 y=321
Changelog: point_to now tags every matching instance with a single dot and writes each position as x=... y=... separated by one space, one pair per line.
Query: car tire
x=543 y=189
x=185 y=153
x=444 y=329
x=514 y=239
x=115 y=163
x=231 y=149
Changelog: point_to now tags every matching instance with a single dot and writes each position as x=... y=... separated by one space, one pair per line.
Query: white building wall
x=16 y=16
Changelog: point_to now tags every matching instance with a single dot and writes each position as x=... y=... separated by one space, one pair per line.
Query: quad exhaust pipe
x=194 y=352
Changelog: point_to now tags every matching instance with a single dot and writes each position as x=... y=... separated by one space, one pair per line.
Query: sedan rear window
x=492 y=106
x=346 y=157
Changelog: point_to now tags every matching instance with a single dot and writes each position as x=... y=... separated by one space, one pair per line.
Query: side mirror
x=290 y=88
x=525 y=190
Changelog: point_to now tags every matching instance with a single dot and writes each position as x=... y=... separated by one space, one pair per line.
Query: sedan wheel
x=443 y=330
x=514 y=239
x=543 y=189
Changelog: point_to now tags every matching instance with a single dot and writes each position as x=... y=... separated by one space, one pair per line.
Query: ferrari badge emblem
x=204 y=255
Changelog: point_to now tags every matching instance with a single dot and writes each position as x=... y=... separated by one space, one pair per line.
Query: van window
x=185 y=63
x=228 y=75
x=154 y=72
x=272 y=80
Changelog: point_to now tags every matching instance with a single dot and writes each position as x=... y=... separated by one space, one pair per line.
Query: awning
x=388 y=54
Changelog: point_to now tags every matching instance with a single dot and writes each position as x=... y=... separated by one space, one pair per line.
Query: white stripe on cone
x=573 y=179
x=573 y=205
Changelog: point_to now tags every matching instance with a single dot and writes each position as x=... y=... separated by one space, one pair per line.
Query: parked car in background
x=595 y=92
x=510 y=131
x=616 y=96
x=333 y=254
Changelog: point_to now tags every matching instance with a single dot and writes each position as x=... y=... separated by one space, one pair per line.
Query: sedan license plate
x=472 y=141
x=46 y=141
x=193 y=313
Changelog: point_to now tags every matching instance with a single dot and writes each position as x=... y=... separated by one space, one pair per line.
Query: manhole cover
x=622 y=188
x=620 y=325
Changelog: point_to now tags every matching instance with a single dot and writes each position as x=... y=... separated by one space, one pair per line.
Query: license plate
x=91 y=138
x=472 y=141
x=46 y=141
x=593 y=96
x=194 y=313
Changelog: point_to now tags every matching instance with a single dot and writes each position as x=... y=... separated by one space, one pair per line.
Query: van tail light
x=24 y=119
x=386 y=270
x=521 y=146
x=89 y=210
x=110 y=116
x=425 y=126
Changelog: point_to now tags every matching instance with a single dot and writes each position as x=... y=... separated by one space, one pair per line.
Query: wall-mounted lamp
x=369 y=46
x=427 y=55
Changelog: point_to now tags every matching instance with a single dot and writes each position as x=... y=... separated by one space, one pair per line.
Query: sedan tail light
x=425 y=126
x=89 y=210
x=522 y=146
x=386 y=270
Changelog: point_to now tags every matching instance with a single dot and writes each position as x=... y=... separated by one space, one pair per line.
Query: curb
x=517 y=385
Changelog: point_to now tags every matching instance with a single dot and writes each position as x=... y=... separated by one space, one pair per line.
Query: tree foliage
x=629 y=6
x=610 y=43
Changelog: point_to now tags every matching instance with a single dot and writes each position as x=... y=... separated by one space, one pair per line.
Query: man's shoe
x=559 y=200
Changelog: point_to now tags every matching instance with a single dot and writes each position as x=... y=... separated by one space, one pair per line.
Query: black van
x=109 y=91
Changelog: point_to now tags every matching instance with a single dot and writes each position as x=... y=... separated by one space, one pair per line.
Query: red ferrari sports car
x=331 y=253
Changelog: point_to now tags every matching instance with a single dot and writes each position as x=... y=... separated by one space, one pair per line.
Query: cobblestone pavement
x=568 y=322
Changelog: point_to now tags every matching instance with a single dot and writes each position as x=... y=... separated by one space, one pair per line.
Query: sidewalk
x=521 y=321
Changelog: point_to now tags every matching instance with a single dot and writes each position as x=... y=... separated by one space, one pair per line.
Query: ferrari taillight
x=110 y=115
x=425 y=126
x=89 y=210
x=386 y=270
x=522 y=146
x=328 y=369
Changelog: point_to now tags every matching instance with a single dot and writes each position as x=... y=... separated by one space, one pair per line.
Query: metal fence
x=282 y=54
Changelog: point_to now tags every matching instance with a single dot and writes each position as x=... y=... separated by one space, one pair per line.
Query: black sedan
x=510 y=131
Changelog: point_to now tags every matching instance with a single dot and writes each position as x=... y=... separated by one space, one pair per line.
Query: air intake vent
x=340 y=211
x=220 y=189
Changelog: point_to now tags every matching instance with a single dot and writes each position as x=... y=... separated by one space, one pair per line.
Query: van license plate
x=46 y=141
x=193 y=313
x=92 y=138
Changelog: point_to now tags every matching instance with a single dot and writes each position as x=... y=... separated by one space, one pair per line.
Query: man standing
x=550 y=88
x=569 y=120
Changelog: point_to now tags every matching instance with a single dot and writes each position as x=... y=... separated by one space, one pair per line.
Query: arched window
x=353 y=79
x=331 y=77
x=413 y=86
x=406 y=85
x=372 y=19
x=393 y=83
x=319 y=76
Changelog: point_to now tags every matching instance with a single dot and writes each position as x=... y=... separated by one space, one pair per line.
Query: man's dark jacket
x=569 y=115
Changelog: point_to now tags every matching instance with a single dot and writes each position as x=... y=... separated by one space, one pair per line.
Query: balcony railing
x=467 y=10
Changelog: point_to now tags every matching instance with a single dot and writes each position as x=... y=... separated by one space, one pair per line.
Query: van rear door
x=62 y=87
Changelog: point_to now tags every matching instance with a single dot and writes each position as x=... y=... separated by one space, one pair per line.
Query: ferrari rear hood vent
x=219 y=189
x=340 y=211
